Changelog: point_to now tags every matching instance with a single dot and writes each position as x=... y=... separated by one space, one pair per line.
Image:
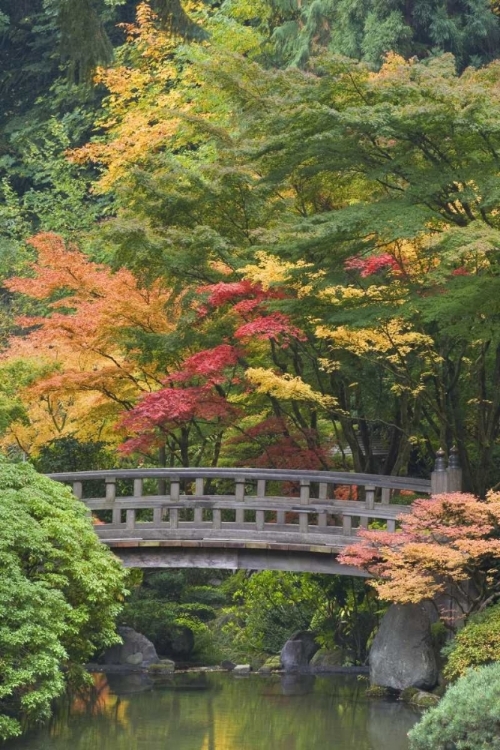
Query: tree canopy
x=319 y=246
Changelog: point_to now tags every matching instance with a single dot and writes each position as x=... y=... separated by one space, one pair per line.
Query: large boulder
x=135 y=651
x=402 y=653
x=298 y=651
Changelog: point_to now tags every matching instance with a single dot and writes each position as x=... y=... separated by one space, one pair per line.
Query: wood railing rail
x=240 y=504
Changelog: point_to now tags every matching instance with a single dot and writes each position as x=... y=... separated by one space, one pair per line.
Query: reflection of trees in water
x=222 y=712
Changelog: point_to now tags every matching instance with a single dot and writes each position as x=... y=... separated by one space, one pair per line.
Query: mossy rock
x=420 y=698
x=327 y=658
x=163 y=667
x=273 y=664
x=377 y=691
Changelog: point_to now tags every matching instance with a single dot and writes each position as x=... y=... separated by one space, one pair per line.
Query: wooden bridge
x=261 y=519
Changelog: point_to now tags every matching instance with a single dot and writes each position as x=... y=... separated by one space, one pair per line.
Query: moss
x=408 y=694
x=420 y=698
x=377 y=691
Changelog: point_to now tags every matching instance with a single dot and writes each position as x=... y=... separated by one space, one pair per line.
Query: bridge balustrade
x=220 y=507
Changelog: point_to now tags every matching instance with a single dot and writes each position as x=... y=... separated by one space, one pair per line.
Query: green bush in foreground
x=467 y=718
x=60 y=592
x=476 y=644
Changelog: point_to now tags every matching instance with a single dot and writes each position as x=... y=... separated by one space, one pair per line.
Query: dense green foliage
x=60 y=592
x=467 y=718
x=173 y=608
x=476 y=644
x=270 y=606
x=369 y=29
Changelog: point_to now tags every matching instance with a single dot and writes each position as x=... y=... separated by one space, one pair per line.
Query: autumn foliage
x=447 y=545
x=82 y=343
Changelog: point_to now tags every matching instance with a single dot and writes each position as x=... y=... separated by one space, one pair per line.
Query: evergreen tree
x=368 y=29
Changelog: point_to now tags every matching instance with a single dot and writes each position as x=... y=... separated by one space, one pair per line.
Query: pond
x=216 y=711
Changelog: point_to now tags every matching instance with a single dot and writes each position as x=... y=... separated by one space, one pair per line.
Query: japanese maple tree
x=447 y=545
x=83 y=348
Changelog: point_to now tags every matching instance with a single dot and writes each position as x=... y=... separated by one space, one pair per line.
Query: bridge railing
x=252 y=504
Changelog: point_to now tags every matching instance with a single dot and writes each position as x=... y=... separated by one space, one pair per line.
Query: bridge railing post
x=439 y=477
x=259 y=514
x=78 y=490
x=322 y=495
x=116 y=514
x=305 y=497
x=369 y=504
x=175 y=491
x=239 y=496
x=199 y=490
x=454 y=471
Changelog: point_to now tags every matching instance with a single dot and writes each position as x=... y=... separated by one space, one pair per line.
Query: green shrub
x=60 y=592
x=467 y=718
x=476 y=644
x=213 y=597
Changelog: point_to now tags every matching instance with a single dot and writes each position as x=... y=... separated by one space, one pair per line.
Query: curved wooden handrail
x=289 y=475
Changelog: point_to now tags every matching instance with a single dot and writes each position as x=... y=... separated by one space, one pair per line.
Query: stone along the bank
x=402 y=654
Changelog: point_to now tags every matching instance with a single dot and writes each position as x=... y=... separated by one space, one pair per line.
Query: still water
x=213 y=711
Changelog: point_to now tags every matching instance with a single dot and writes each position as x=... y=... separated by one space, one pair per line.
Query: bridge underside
x=229 y=556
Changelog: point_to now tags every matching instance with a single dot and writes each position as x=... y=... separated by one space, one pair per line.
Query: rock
x=134 y=659
x=136 y=650
x=420 y=698
x=242 y=669
x=165 y=666
x=298 y=651
x=402 y=653
x=227 y=665
x=327 y=658
x=272 y=664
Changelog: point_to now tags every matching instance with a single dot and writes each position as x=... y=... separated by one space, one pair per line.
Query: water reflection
x=220 y=712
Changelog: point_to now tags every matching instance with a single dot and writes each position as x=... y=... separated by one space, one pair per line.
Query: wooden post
x=305 y=491
x=111 y=495
x=217 y=519
x=110 y=488
x=199 y=489
x=322 y=495
x=391 y=525
x=259 y=514
x=137 y=487
x=439 y=477
x=386 y=496
x=347 y=525
x=369 y=505
x=239 y=496
x=130 y=519
x=78 y=490
x=174 y=498
x=454 y=472
x=369 y=497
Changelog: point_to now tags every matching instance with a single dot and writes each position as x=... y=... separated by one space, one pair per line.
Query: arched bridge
x=261 y=519
x=264 y=519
